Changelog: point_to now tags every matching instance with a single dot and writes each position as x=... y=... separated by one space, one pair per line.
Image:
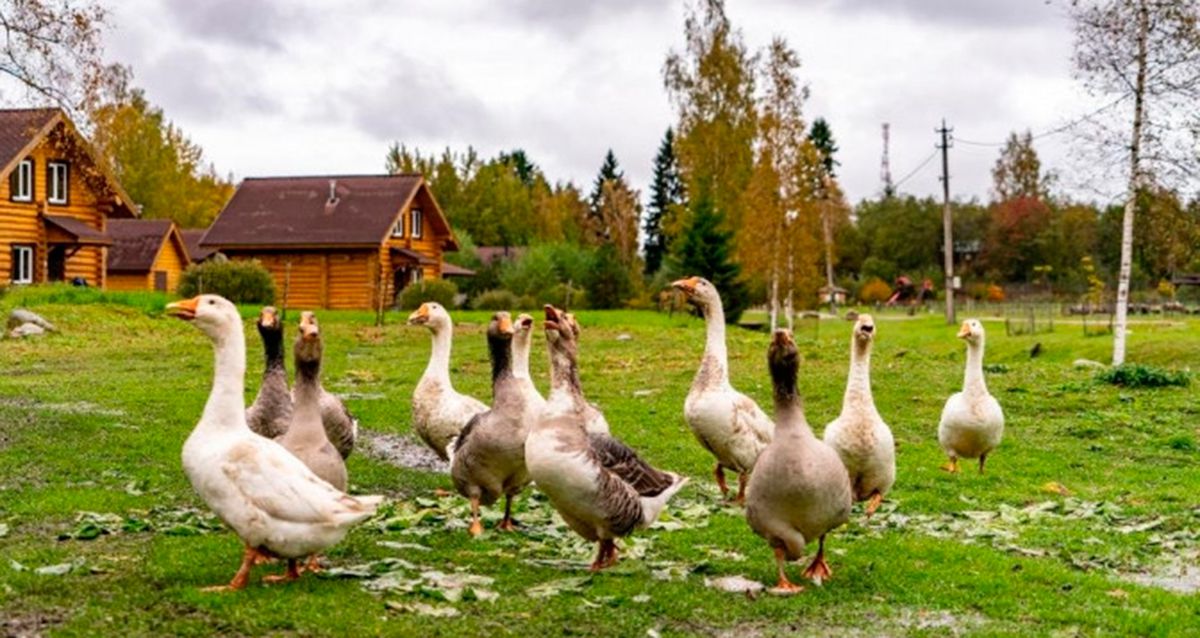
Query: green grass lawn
x=100 y=533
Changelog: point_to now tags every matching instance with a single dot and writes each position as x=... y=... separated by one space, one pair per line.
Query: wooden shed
x=191 y=240
x=349 y=242
x=146 y=254
x=56 y=201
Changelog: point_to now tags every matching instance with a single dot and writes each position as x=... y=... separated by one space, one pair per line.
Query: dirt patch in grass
x=29 y=624
x=1181 y=576
x=402 y=451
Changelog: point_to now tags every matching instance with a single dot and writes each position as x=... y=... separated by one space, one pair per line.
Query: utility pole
x=885 y=168
x=947 y=222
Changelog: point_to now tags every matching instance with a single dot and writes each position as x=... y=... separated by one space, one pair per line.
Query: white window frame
x=24 y=190
x=417 y=275
x=52 y=182
x=398 y=229
x=417 y=224
x=22 y=264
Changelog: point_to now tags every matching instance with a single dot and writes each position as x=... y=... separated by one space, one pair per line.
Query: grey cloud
x=188 y=82
x=412 y=100
x=255 y=23
x=986 y=14
x=573 y=16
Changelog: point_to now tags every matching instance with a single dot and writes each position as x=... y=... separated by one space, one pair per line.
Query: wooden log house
x=56 y=201
x=341 y=242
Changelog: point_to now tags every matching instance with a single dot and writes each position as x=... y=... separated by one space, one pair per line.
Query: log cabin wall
x=334 y=279
x=20 y=222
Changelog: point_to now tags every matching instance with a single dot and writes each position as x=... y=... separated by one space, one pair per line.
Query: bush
x=240 y=281
x=498 y=299
x=874 y=291
x=439 y=290
x=879 y=268
x=1139 y=376
x=995 y=293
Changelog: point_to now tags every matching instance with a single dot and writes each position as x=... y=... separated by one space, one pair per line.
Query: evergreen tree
x=666 y=194
x=822 y=138
x=705 y=251
x=526 y=170
x=596 y=230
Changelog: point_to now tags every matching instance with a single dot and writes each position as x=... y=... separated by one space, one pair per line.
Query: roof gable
x=191 y=240
x=22 y=130
x=298 y=211
x=137 y=242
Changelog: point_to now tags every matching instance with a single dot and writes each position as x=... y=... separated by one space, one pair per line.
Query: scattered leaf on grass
x=437 y=611
x=735 y=584
x=560 y=586
x=1054 y=487
x=3 y=530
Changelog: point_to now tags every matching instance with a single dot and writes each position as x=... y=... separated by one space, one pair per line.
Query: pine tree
x=705 y=251
x=596 y=229
x=822 y=138
x=666 y=194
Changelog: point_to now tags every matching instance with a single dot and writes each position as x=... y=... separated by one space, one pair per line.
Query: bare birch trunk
x=827 y=222
x=1121 y=315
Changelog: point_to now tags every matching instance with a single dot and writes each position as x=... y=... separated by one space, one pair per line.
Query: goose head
x=308 y=347
x=972 y=331
x=523 y=330
x=783 y=360
x=431 y=314
x=699 y=291
x=864 y=329
x=214 y=315
x=499 y=337
x=269 y=322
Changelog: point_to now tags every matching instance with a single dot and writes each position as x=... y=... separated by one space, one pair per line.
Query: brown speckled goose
x=306 y=438
x=727 y=423
x=271 y=413
x=598 y=484
x=800 y=489
x=439 y=412
x=341 y=428
x=487 y=459
x=522 y=344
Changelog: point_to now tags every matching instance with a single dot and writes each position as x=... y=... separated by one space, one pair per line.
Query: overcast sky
x=277 y=87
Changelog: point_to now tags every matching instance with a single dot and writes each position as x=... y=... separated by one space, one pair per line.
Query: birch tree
x=1145 y=53
x=54 y=51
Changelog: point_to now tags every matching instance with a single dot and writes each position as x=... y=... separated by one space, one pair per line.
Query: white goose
x=275 y=504
x=439 y=412
x=727 y=423
x=859 y=434
x=972 y=421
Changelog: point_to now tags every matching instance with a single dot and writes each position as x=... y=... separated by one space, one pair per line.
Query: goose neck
x=858 y=383
x=226 y=405
x=520 y=349
x=714 y=368
x=973 y=383
x=439 y=360
x=307 y=427
x=565 y=387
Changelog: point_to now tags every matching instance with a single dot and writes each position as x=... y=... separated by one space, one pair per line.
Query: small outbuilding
x=146 y=254
x=191 y=240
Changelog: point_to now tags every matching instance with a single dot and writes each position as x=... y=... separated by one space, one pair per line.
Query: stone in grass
x=21 y=316
x=624 y=336
x=26 y=330
x=1081 y=364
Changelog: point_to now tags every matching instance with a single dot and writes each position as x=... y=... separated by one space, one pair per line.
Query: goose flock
x=275 y=471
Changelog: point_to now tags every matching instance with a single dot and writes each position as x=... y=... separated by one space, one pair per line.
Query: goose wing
x=748 y=417
x=279 y=484
x=621 y=460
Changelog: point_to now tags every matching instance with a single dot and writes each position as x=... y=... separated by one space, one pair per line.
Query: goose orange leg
x=982 y=460
x=476 y=526
x=873 y=503
x=819 y=570
x=313 y=565
x=743 y=479
x=250 y=558
x=719 y=472
x=508 y=524
x=784 y=585
x=292 y=573
x=951 y=466
x=606 y=556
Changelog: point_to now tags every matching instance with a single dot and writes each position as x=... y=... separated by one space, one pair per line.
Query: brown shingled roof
x=191 y=239
x=136 y=243
x=80 y=232
x=18 y=127
x=281 y=212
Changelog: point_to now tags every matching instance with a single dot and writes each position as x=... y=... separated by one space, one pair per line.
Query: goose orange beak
x=504 y=323
x=964 y=331
x=420 y=315
x=268 y=318
x=688 y=286
x=185 y=309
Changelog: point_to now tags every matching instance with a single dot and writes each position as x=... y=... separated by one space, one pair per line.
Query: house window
x=22 y=264
x=398 y=229
x=417 y=225
x=56 y=182
x=20 y=185
x=417 y=275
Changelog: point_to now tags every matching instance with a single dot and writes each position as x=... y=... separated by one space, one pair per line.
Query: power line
x=1054 y=131
x=914 y=171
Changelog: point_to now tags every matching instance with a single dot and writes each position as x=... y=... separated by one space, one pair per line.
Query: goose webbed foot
x=507 y=524
x=819 y=570
x=873 y=503
x=607 y=555
x=292 y=573
x=250 y=558
x=476 y=527
x=951 y=466
x=784 y=586
x=313 y=565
